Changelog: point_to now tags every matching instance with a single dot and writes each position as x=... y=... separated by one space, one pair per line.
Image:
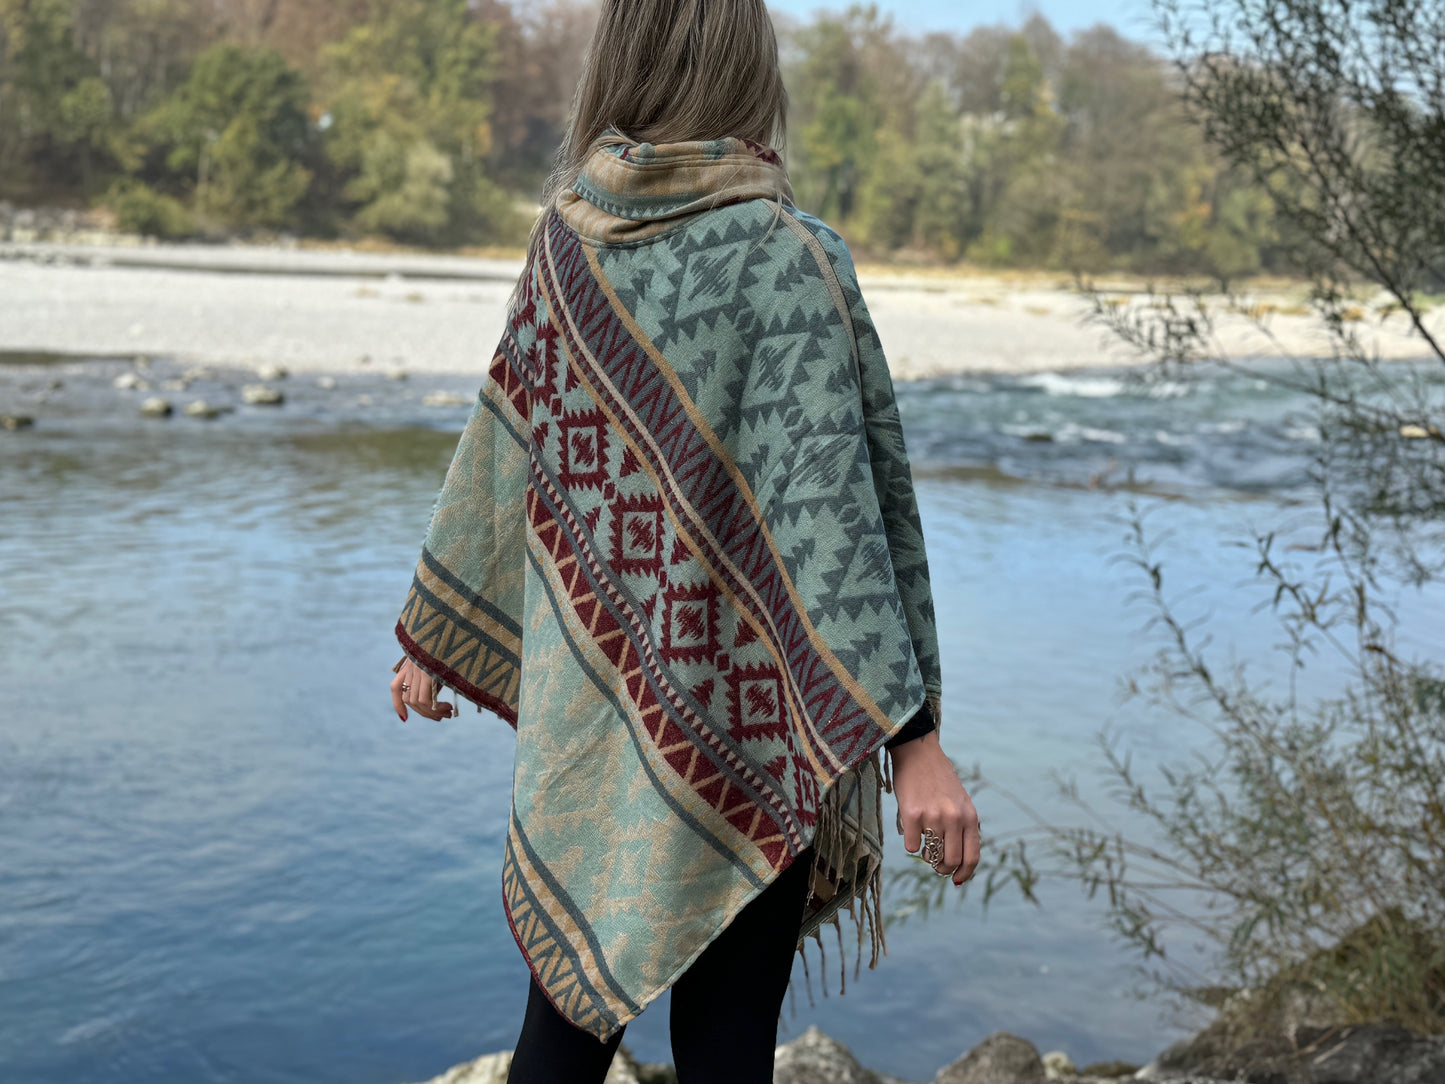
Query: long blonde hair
x=668 y=71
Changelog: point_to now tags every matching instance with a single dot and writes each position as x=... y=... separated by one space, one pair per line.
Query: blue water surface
x=224 y=858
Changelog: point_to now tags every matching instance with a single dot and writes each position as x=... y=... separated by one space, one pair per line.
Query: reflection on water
x=223 y=857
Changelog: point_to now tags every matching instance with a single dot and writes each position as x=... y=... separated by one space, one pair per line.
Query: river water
x=223 y=857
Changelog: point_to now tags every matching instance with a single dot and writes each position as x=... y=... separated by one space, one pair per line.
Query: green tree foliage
x=1013 y=148
x=539 y=49
x=408 y=121
x=55 y=113
x=941 y=207
x=143 y=49
x=427 y=120
x=140 y=209
x=914 y=194
x=297 y=29
x=235 y=134
x=839 y=115
x=1016 y=164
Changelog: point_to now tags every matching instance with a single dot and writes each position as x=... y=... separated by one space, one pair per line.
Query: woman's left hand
x=930 y=795
x=420 y=693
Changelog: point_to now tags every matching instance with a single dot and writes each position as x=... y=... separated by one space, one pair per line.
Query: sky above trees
x=1130 y=17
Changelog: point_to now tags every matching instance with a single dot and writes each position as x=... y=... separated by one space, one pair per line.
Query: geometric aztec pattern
x=678 y=550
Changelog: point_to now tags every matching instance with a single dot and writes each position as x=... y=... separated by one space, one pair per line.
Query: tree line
x=432 y=122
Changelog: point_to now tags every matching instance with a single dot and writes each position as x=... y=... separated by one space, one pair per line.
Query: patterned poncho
x=678 y=550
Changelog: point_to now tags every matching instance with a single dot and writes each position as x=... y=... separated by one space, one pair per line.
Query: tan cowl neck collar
x=630 y=191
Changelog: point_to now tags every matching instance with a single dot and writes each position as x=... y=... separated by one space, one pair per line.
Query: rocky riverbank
x=1368 y=1054
x=335 y=311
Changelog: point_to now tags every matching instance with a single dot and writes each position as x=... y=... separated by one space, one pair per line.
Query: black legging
x=725 y=1007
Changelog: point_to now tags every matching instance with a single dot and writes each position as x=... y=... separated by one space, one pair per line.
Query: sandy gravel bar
x=338 y=311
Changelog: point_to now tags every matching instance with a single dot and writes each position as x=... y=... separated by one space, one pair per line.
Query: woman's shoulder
x=754 y=255
x=826 y=235
x=791 y=253
x=760 y=219
x=782 y=234
x=827 y=247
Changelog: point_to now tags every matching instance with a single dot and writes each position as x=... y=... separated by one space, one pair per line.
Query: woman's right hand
x=419 y=695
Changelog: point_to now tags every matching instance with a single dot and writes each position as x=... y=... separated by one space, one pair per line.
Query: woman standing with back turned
x=678 y=550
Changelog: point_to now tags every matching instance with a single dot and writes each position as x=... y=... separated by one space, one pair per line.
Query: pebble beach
x=337 y=311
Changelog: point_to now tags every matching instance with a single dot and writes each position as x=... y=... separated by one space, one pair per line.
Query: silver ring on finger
x=405 y=687
x=932 y=849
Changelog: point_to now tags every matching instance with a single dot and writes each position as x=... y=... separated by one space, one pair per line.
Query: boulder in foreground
x=1358 y=1054
x=815 y=1058
x=1001 y=1058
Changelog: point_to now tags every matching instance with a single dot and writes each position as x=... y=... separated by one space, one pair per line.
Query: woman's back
x=717 y=603
x=678 y=547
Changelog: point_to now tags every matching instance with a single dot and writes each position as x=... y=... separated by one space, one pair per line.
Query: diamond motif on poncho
x=637 y=534
x=755 y=702
x=583 y=448
x=690 y=619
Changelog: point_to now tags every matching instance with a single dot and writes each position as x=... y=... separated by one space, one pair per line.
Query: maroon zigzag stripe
x=567 y=550
x=714 y=496
x=504 y=372
x=475 y=693
x=685 y=453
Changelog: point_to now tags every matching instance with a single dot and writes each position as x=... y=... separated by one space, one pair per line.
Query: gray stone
x=1109 y=1070
x=156 y=407
x=493 y=1069
x=1058 y=1065
x=1379 y=1054
x=130 y=382
x=488 y=1069
x=16 y=421
x=1157 y=1071
x=656 y=1072
x=1302 y=1009
x=326 y=382
x=272 y=372
x=1190 y=1053
x=202 y=409
x=1360 y=1054
x=623 y=1069
x=396 y=374
x=814 y=1058
x=1001 y=1058
x=261 y=395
